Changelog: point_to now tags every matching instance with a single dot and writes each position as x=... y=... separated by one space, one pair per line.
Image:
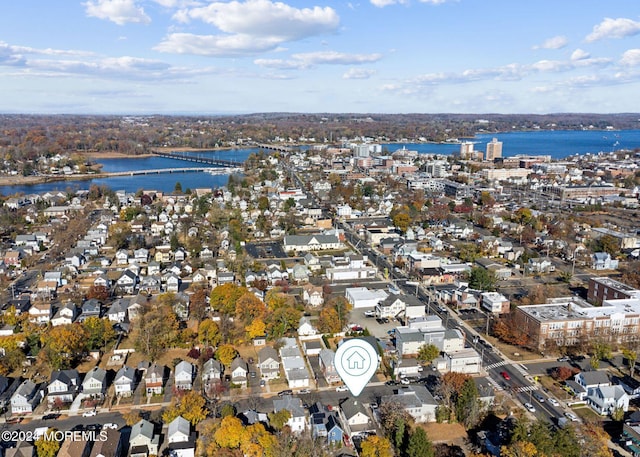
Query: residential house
x=312 y=295
x=463 y=361
x=173 y=283
x=22 y=449
x=328 y=367
x=239 y=372
x=75 y=447
x=143 y=442
x=604 y=400
x=63 y=386
x=603 y=261
x=586 y=380
x=141 y=255
x=212 y=371
x=295 y=368
x=395 y=306
x=127 y=282
x=416 y=400
x=118 y=310
x=268 y=363
x=305 y=328
x=125 y=381
x=181 y=442
x=154 y=379
x=90 y=308
x=495 y=302
x=324 y=423
x=95 y=383
x=151 y=284
x=183 y=375
x=109 y=447
x=298 y=420
x=354 y=417
x=65 y=315
x=25 y=399
x=40 y=313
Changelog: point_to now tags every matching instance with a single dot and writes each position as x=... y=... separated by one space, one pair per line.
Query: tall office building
x=494 y=150
x=466 y=150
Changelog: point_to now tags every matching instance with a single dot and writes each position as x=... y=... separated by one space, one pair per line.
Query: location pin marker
x=356 y=361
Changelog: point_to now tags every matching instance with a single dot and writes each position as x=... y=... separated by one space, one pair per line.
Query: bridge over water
x=213 y=171
x=200 y=159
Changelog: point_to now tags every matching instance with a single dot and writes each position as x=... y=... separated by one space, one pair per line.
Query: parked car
x=391 y=383
x=282 y=393
x=564 y=359
x=405 y=381
x=369 y=313
x=305 y=391
x=110 y=425
x=505 y=375
x=530 y=407
x=89 y=413
x=554 y=402
x=572 y=417
x=263 y=383
x=342 y=389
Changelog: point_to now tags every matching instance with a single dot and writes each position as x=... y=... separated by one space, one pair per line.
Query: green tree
x=482 y=279
x=99 y=332
x=467 y=406
x=156 y=330
x=419 y=444
x=177 y=188
x=427 y=353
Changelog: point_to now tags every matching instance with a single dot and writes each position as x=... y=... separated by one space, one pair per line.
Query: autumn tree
x=63 y=345
x=100 y=293
x=46 y=447
x=190 y=406
x=520 y=449
x=631 y=355
x=198 y=304
x=255 y=329
x=131 y=417
x=230 y=433
x=224 y=297
x=225 y=354
x=376 y=446
x=427 y=353
x=156 y=330
x=208 y=333
x=279 y=419
x=99 y=332
x=249 y=307
x=283 y=320
x=329 y=321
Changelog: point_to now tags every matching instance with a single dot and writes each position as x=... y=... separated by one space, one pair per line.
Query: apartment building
x=602 y=288
x=570 y=321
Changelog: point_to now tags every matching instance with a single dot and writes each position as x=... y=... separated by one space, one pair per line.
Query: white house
x=312 y=295
x=606 y=399
x=268 y=363
x=297 y=422
x=464 y=361
x=183 y=375
x=305 y=328
x=143 y=442
x=95 y=383
x=495 y=302
x=416 y=400
x=25 y=399
x=239 y=372
x=124 y=382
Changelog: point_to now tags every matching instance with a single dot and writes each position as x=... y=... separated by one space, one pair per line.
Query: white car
x=89 y=413
x=342 y=389
x=405 y=381
x=110 y=425
x=530 y=407
x=305 y=391
x=554 y=402
x=572 y=417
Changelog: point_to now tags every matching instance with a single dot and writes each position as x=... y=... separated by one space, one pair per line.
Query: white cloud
x=311 y=59
x=118 y=11
x=248 y=27
x=216 y=45
x=358 y=73
x=630 y=58
x=614 y=28
x=579 y=54
x=556 y=42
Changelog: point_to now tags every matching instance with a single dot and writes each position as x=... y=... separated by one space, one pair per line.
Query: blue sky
x=367 y=56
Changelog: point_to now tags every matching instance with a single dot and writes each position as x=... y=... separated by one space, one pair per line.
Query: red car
x=505 y=375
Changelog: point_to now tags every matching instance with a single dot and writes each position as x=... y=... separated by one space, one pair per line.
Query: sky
x=319 y=56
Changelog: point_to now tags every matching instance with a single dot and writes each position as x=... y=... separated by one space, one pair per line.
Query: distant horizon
x=143 y=57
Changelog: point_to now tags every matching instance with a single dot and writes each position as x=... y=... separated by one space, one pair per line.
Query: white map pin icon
x=356 y=361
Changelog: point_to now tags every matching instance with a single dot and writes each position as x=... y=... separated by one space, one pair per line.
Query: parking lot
x=272 y=250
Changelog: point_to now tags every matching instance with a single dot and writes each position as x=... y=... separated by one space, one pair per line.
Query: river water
x=558 y=144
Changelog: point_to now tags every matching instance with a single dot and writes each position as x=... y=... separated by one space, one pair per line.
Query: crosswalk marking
x=526 y=389
x=496 y=365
